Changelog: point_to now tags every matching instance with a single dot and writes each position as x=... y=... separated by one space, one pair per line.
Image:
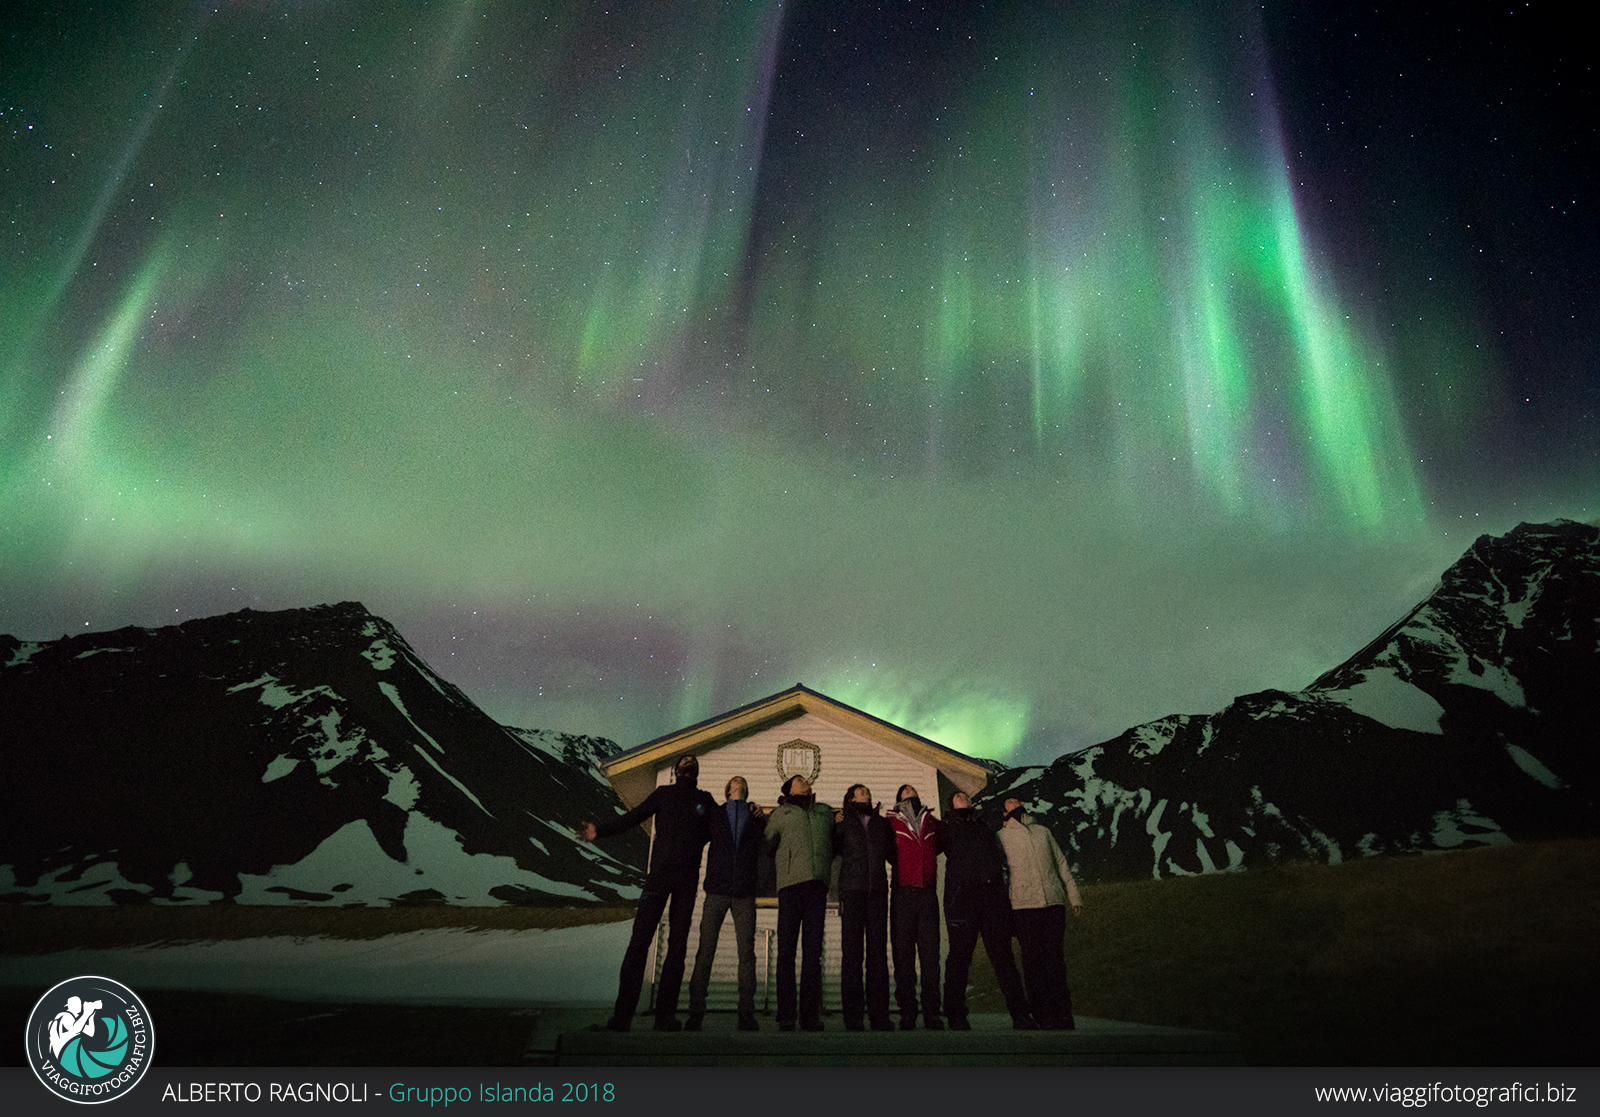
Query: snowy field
x=568 y=966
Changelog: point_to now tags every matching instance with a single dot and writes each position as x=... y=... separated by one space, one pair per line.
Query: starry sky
x=1016 y=372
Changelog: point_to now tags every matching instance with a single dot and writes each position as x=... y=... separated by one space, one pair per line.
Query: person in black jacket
x=737 y=831
x=866 y=847
x=682 y=813
x=976 y=903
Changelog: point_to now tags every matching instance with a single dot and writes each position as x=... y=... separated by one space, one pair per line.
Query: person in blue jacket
x=737 y=831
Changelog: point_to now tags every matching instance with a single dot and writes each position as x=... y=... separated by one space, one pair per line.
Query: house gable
x=850 y=746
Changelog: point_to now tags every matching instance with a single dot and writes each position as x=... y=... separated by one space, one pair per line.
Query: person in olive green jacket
x=800 y=839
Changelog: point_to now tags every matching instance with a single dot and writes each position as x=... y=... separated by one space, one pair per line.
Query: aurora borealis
x=1017 y=372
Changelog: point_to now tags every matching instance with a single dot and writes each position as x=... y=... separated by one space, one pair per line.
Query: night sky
x=1018 y=373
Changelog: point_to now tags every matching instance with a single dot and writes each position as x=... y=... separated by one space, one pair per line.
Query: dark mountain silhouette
x=307 y=755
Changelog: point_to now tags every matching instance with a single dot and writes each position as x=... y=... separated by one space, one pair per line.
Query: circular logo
x=799 y=758
x=90 y=1039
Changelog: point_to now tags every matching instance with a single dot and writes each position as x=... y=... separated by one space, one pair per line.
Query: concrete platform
x=571 y=1037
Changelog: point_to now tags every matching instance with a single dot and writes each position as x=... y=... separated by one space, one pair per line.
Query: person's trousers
x=1042 y=933
x=983 y=910
x=801 y=908
x=744 y=933
x=914 y=931
x=864 y=925
x=678 y=889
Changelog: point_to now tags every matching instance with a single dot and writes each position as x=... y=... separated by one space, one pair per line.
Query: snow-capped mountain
x=1472 y=720
x=302 y=756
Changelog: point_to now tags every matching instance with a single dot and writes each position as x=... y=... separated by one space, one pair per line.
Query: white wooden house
x=798 y=731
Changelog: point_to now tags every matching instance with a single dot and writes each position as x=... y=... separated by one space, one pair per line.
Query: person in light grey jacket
x=1041 y=889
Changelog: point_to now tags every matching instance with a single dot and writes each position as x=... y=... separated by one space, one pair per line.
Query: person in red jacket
x=914 y=909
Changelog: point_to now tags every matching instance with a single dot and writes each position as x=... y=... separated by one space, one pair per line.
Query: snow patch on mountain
x=281 y=766
x=1465 y=826
x=379 y=653
x=463 y=788
x=1531 y=765
x=24 y=651
x=393 y=696
x=1516 y=612
x=277 y=697
x=1490 y=677
x=403 y=790
x=1389 y=700
x=351 y=867
x=95 y=886
x=333 y=749
x=1150 y=739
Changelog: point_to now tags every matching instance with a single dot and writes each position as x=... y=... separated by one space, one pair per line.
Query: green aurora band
x=556 y=311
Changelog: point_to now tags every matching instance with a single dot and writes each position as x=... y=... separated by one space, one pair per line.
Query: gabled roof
x=633 y=773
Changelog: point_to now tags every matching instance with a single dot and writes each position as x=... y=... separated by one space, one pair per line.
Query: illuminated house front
x=798 y=731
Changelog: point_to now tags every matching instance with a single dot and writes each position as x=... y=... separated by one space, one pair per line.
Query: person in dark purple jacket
x=682 y=813
x=866 y=849
x=737 y=831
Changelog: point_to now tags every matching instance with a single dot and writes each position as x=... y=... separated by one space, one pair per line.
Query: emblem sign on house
x=799 y=758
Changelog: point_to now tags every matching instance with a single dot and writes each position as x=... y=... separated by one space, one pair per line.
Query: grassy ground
x=1484 y=957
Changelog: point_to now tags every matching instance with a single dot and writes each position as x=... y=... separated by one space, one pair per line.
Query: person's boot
x=668 y=1024
x=747 y=1022
x=883 y=1023
x=908 y=1022
x=1024 y=1022
x=618 y=1024
x=959 y=1023
x=695 y=1021
x=932 y=1022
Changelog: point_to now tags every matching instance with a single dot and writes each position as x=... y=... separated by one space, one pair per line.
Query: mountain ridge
x=1471 y=720
x=304 y=755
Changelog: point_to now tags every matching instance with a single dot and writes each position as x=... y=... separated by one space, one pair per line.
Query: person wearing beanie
x=800 y=839
x=682 y=813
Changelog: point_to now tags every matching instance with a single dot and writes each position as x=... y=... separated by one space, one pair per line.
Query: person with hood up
x=800 y=839
x=866 y=847
x=1041 y=888
x=914 y=909
x=682 y=813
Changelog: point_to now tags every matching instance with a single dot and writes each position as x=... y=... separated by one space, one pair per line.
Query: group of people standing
x=1000 y=882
